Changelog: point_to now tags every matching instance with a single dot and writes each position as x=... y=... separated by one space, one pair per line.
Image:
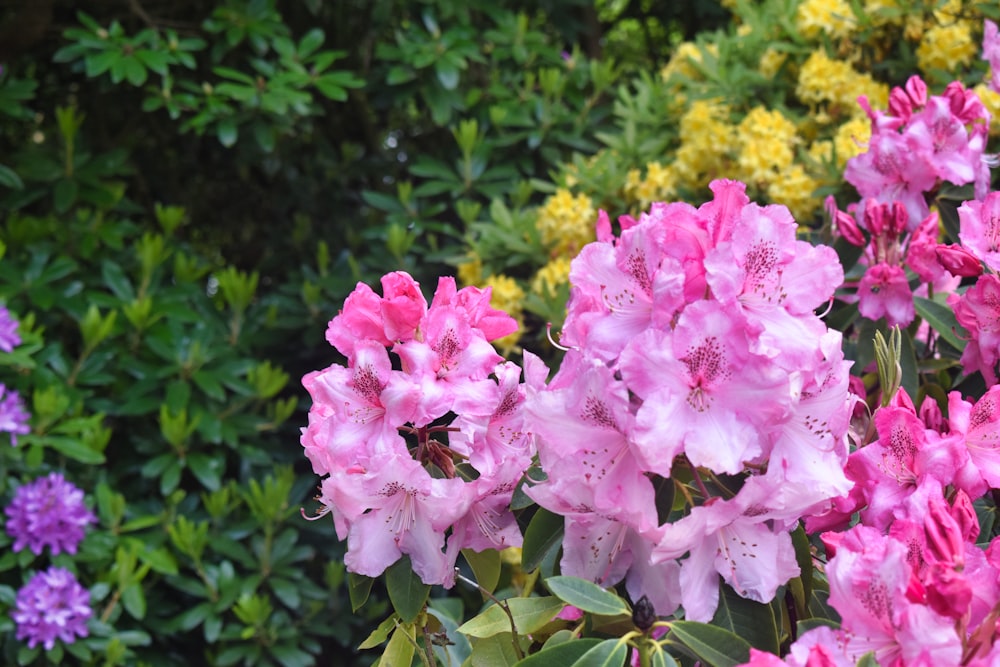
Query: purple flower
x=49 y=511
x=13 y=416
x=9 y=338
x=52 y=605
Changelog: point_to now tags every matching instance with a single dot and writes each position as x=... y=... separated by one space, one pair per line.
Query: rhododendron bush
x=751 y=449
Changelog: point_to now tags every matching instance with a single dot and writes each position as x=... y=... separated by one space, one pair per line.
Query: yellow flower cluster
x=991 y=100
x=566 y=223
x=764 y=145
x=884 y=12
x=833 y=17
x=771 y=61
x=508 y=297
x=823 y=79
x=706 y=136
x=794 y=188
x=551 y=277
x=681 y=62
x=659 y=184
x=470 y=272
x=947 y=47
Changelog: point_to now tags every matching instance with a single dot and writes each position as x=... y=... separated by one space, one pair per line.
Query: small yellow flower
x=947 y=47
x=508 y=297
x=991 y=100
x=764 y=144
x=566 y=222
x=833 y=17
x=770 y=62
x=794 y=188
x=470 y=272
x=551 y=277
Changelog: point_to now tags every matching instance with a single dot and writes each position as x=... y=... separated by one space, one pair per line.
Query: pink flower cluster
x=422 y=432
x=922 y=141
x=694 y=347
x=909 y=581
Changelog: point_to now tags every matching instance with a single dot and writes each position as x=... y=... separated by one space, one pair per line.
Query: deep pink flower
x=978 y=310
x=885 y=292
x=980 y=229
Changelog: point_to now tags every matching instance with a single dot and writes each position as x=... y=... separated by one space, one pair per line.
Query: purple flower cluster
x=52 y=605
x=9 y=338
x=13 y=416
x=49 y=511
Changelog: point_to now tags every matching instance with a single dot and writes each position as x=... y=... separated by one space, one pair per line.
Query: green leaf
x=64 y=194
x=544 y=534
x=587 y=596
x=207 y=469
x=116 y=280
x=560 y=655
x=75 y=449
x=400 y=649
x=661 y=658
x=406 y=591
x=529 y=615
x=609 y=653
x=941 y=318
x=494 y=651
x=485 y=566
x=359 y=587
x=227 y=132
x=134 y=601
x=750 y=620
x=10 y=179
x=379 y=634
x=717 y=647
x=868 y=660
x=311 y=41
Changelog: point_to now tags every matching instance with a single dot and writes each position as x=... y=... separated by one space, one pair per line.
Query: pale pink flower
x=991 y=52
x=394 y=507
x=884 y=291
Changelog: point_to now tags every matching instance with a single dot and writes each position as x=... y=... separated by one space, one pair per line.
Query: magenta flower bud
x=945 y=543
x=845 y=224
x=948 y=592
x=900 y=104
x=958 y=261
x=930 y=415
x=916 y=89
x=964 y=514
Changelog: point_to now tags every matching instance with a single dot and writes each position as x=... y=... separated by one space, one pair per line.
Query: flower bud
x=845 y=225
x=644 y=615
x=916 y=89
x=958 y=261
x=945 y=543
x=965 y=516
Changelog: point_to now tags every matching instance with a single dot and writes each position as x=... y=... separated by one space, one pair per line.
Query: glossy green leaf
x=493 y=651
x=587 y=596
x=485 y=566
x=661 y=658
x=752 y=621
x=561 y=655
x=544 y=534
x=227 y=133
x=379 y=634
x=359 y=587
x=609 y=653
x=941 y=318
x=713 y=645
x=401 y=646
x=406 y=591
x=529 y=615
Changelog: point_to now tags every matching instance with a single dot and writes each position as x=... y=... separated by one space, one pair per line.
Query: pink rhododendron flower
x=978 y=310
x=980 y=229
x=885 y=292
x=991 y=52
